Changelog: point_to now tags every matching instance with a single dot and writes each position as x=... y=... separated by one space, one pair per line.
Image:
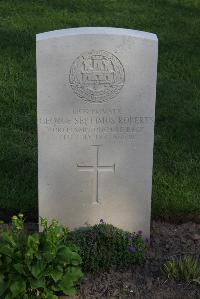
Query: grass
x=176 y=179
x=186 y=268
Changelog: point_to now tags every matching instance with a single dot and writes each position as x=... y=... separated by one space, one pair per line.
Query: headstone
x=96 y=106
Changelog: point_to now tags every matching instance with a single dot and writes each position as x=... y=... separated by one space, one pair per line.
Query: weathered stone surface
x=96 y=102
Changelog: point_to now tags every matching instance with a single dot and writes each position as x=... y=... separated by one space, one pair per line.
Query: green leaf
x=55 y=288
x=32 y=245
x=37 y=269
x=65 y=254
x=75 y=273
x=37 y=283
x=18 y=287
x=76 y=259
x=56 y=275
x=19 y=268
x=6 y=250
x=1 y=277
x=69 y=291
x=33 y=240
x=3 y=287
x=19 y=254
x=65 y=283
x=68 y=280
x=6 y=236
x=48 y=256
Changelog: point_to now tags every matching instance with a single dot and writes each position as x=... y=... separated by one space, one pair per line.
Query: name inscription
x=96 y=125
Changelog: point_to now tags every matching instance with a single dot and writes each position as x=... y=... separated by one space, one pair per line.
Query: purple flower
x=132 y=248
x=101 y=221
x=130 y=238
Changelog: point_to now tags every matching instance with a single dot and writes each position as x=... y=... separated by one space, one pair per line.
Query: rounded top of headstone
x=96 y=30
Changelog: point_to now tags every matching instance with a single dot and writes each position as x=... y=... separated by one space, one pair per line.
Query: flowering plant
x=104 y=246
x=37 y=265
x=137 y=245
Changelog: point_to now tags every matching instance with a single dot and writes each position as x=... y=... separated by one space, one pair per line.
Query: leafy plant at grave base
x=104 y=246
x=186 y=268
x=37 y=265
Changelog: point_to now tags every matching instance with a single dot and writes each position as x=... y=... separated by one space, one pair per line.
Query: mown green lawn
x=176 y=179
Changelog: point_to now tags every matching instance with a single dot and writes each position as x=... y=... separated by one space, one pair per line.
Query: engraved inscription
x=96 y=168
x=97 y=76
x=95 y=126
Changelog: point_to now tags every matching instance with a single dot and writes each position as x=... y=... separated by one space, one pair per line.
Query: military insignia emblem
x=96 y=76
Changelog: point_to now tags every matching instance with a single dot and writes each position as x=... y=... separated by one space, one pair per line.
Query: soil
x=148 y=281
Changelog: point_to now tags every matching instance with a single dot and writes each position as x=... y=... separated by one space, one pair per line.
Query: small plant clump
x=37 y=265
x=186 y=269
x=104 y=246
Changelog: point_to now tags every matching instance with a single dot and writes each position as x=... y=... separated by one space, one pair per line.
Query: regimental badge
x=97 y=76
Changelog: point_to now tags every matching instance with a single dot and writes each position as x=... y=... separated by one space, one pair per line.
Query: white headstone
x=96 y=106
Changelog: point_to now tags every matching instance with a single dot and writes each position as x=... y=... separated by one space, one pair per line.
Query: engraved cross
x=96 y=169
